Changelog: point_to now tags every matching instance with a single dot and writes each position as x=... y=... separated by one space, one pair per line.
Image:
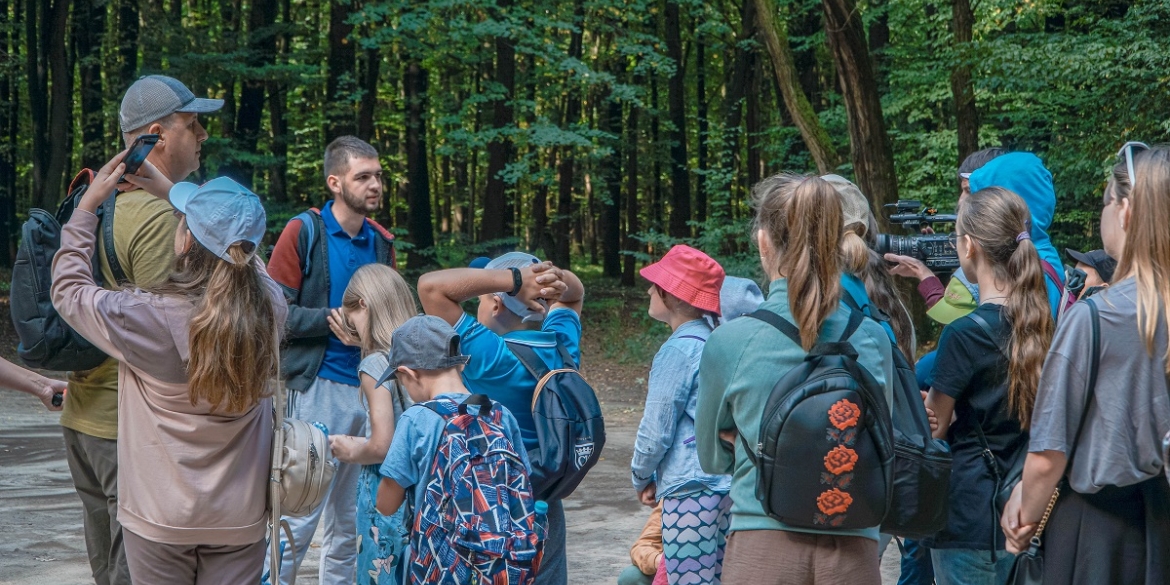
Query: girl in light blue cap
x=195 y=357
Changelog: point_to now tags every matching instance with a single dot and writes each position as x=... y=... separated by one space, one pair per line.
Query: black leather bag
x=1028 y=569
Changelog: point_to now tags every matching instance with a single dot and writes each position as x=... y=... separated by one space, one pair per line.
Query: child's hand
x=647 y=496
x=346 y=448
x=104 y=183
x=150 y=179
x=540 y=281
x=339 y=325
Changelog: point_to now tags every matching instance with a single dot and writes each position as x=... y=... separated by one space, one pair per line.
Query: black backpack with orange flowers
x=825 y=454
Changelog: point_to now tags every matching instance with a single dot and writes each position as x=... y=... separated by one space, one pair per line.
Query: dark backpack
x=825 y=456
x=477 y=522
x=922 y=463
x=569 y=425
x=46 y=341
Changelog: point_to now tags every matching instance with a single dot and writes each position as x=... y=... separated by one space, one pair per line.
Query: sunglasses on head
x=1127 y=150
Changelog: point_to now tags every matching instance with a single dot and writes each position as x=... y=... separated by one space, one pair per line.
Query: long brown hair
x=998 y=219
x=389 y=303
x=1146 y=256
x=232 y=334
x=802 y=217
x=860 y=259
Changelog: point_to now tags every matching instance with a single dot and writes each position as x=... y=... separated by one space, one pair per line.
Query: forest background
x=594 y=132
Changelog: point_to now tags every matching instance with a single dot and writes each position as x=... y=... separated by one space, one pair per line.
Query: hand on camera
x=908 y=267
x=150 y=179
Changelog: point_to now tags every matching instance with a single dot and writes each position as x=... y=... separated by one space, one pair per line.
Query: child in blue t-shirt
x=426 y=360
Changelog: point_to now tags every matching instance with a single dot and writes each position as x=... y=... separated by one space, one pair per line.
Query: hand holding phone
x=138 y=153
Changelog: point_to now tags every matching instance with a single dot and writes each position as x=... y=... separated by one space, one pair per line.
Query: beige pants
x=154 y=563
x=776 y=557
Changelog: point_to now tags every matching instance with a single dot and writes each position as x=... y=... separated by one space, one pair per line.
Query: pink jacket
x=186 y=476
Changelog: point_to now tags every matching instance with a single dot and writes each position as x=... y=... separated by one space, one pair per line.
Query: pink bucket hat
x=692 y=276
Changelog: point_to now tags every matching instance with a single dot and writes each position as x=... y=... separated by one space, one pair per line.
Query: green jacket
x=741 y=363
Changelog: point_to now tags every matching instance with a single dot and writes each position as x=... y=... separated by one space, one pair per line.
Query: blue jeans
x=965 y=566
x=917 y=568
x=554 y=564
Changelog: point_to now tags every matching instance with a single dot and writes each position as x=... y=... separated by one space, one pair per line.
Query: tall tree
x=562 y=230
x=680 y=174
x=371 y=65
x=51 y=103
x=632 y=208
x=871 y=153
x=9 y=120
x=701 y=114
x=775 y=36
x=277 y=107
x=339 y=72
x=962 y=89
x=259 y=55
x=87 y=41
x=498 y=211
x=127 y=35
x=610 y=122
x=418 y=213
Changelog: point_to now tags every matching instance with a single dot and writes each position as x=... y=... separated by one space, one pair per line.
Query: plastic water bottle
x=541 y=523
x=322 y=427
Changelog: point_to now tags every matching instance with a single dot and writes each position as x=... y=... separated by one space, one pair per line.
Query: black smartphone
x=138 y=152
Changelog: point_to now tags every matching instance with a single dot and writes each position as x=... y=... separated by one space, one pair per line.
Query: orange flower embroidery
x=840 y=460
x=834 y=501
x=844 y=414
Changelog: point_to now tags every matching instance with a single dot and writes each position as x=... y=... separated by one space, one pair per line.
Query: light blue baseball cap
x=220 y=213
x=517 y=260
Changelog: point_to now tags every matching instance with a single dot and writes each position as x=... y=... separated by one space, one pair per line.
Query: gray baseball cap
x=424 y=342
x=155 y=97
x=517 y=260
x=220 y=213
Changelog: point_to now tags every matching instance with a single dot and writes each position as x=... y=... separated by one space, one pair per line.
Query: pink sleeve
x=75 y=293
x=932 y=290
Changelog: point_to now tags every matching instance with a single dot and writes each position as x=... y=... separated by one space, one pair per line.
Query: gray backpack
x=46 y=340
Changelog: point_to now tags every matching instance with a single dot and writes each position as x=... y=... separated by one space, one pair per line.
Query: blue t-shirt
x=346 y=255
x=416 y=440
x=494 y=370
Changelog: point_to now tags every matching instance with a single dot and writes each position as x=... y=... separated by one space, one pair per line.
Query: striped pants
x=694 y=532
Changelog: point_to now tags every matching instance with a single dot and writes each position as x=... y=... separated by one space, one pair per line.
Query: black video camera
x=934 y=250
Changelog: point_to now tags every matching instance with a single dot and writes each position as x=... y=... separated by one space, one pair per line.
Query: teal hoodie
x=1024 y=174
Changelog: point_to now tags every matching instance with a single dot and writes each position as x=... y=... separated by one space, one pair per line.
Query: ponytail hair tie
x=1023 y=236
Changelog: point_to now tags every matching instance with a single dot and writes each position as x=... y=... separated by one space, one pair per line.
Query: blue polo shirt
x=346 y=255
x=494 y=370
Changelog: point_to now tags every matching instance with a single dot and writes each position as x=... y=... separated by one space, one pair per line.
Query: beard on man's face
x=358 y=203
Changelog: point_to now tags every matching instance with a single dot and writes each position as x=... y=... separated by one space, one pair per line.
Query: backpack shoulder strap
x=531 y=361
x=986 y=327
x=1094 y=363
x=107 y=228
x=780 y=323
x=309 y=224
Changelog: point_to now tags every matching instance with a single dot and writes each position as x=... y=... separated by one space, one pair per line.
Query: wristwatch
x=517 y=281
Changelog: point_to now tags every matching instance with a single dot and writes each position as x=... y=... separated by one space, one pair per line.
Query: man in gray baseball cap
x=144 y=236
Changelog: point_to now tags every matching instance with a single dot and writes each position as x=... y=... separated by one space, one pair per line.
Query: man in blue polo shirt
x=510 y=289
x=314 y=258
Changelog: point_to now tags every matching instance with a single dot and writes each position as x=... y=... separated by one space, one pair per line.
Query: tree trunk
x=562 y=227
x=752 y=120
x=52 y=104
x=701 y=98
x=632 y=227
x=339 y=75
x=88 y=43
x=127 y=45
x=9 y=116
x=371 y=63
x=655 y=219
x=680 y=176
x=419 y=218
x=871 y=154
x=499 y=214
x=610 y=122
x=154 y=14
x=962 y=89
x=277 y=121
x=816 y=139
x=261 y=53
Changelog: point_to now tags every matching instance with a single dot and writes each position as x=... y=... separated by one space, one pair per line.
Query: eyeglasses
x=1127 y=151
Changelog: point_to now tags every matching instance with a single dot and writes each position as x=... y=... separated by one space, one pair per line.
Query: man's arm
x=285 y=269
x=443 y=291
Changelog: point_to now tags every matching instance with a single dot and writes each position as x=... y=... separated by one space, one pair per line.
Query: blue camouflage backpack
x=477 y=521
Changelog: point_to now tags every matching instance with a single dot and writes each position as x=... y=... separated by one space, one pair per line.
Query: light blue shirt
x=416 y=441
x=664 y=451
